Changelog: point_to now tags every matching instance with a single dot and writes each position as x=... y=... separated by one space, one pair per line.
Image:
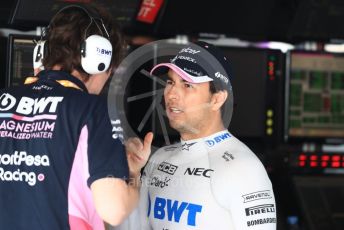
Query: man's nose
x=172 y=92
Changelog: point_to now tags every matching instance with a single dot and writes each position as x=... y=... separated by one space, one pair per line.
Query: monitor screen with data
x=20 y=54
x=315 y=95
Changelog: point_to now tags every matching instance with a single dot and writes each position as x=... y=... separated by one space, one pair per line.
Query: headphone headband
x=93 y=16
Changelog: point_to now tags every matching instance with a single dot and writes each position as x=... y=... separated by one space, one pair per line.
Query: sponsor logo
x=29 y=106
x=266 y=194
x=198 y=172
x=7 y=101
x=227 y=156
x=159 y=182
x=27 y=130
x=187 y=146
x=104 y=51
x=186 y=58
x=22 y=159
x=174 y=210
x=35 y=125
x=259 y=209
x=167 y=168
x=217 y=139
x=170 y=148
x=193 y=72
x=117 y=130
x=221 y=77
x=42 y=87
x=189 y=50
x=261 y=221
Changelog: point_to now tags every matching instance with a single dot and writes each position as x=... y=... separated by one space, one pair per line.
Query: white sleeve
x=244 y=189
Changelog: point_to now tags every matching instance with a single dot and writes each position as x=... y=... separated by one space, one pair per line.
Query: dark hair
x=69 y=28
x=214 y=89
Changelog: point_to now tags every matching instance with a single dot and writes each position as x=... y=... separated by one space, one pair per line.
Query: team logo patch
x=217 y=139
x=167 y=168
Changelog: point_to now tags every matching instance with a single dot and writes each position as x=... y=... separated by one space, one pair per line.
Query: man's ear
x=218 y=99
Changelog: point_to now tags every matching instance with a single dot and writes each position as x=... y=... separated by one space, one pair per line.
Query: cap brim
x=187 y=77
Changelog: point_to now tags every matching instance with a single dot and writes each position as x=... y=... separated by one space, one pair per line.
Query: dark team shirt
x=42 y=128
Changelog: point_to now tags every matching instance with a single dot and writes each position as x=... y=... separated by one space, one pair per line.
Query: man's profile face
x=187 y=104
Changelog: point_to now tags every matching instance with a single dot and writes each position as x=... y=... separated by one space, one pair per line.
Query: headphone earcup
x=83 y=49
x=96 y=53
x=38 y=54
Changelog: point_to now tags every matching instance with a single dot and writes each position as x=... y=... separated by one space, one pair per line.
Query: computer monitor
x=315 y=96
x=20 y=53
x=257 y=83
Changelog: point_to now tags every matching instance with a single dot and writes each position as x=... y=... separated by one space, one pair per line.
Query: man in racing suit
x=210 y=180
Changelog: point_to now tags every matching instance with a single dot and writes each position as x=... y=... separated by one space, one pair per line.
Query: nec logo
x=259 y=209
x=173 y=210
x=217 y=139
x=199 y=172
x=167 y=168
x=104 y=51
x=28 y=105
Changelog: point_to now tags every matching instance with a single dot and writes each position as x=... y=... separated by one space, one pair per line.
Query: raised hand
x=138 y=152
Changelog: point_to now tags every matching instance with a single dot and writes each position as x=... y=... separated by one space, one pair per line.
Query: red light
x=324 y=164
x=302 y=157
x=314 y=157
x=335 y=164
x=325 y=158
x=314 y=164
x=302 y=163
x=271 y=69
x=336 y=158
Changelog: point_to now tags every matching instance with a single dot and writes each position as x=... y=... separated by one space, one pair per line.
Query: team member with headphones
x=60 y=167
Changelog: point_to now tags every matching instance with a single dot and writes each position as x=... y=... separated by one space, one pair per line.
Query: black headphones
x=95 y=50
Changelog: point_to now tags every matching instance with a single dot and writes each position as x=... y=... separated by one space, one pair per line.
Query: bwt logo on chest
x=28 y=105
x=174 y=210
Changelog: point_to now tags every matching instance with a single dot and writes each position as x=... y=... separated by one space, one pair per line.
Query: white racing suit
x=215 y=182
